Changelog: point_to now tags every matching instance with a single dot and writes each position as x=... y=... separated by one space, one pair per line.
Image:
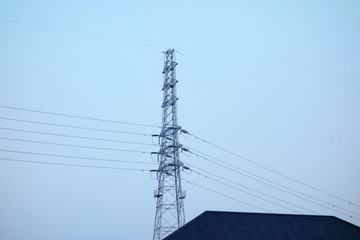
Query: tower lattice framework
x=169 y=196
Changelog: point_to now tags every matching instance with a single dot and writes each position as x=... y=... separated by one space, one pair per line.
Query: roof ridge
x=261 y=213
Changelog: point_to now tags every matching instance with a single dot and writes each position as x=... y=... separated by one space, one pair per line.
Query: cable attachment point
x=154 y=153
x=184 y=149
x=157 y=136
x=151 y=174
x=184 y=131
x=186 y=168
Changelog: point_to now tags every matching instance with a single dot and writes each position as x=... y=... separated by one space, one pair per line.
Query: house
x=213 y=225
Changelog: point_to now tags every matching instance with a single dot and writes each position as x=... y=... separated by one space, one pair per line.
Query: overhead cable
x=233 y=168
x=73 y=165
x=278 y=106
x=224 y=195
x=73 y=136
x=273 y=171
x=76 y=127
x=80 y=33
x=252 y=189
x=77 y=116
x=243 y=191
x=75 y=157
x=72 y=145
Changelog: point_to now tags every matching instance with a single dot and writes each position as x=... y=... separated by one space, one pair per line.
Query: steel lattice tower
x=169 y=195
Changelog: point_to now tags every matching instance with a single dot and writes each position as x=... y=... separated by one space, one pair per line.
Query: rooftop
x=214 y=225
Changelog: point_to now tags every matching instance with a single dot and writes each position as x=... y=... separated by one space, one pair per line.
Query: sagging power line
x=74 y=157
x=75 y=146
x=192 y=167
x=272 y=106
x=273 y=184
x=80 y=33
x=75 y=136
x=74 y=127
x=73 y=165
x=269 y=169
x=78 y=116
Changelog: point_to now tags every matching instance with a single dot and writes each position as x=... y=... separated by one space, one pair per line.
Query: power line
x=113 y=42
x=224 y=195
x=80 y=33
x=85 y=32
x=76 y=127
x=280 y=189
x=278 y=106
x=240 y=190
x=75 y=157
x=271 y=170
x=77 y=146
x=73 y=165
x=79 y=117
x=73 y=136
x=252 y=189
x=273 y=110
x=281 y=185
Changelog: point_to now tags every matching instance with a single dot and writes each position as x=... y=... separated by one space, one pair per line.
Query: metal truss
x=169 y=195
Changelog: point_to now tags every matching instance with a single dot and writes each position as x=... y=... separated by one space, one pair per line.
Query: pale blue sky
x=241 y=64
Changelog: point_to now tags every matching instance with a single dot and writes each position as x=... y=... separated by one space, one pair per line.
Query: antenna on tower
x=169 y=196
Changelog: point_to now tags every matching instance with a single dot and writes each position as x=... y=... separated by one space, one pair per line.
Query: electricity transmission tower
x=169 y=196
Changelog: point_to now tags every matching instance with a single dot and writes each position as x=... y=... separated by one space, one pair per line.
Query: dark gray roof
x=212 y=225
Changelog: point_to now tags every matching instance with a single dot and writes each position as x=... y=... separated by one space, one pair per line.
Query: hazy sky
x=277 y=83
